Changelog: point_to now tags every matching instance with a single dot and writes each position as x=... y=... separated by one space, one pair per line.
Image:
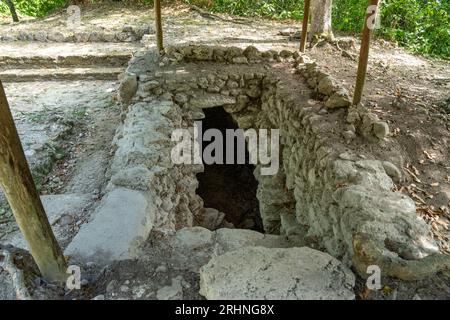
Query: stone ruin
x=329 y=194
x=128 y=33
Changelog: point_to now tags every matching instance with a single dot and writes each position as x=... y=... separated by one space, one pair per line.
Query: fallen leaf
x=365 y=294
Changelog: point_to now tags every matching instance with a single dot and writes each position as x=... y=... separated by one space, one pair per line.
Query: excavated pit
x=229 y=188
x=330 y=190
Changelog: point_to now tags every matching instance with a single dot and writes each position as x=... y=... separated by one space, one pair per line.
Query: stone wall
x=142 y=162
x=327 y=191
x=127 y=34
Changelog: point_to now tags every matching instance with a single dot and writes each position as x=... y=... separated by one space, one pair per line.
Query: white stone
x=128 y=88
x=212 y=218
x=123 y=220
x=257 y=273
x=59 y=209
x=172 y=292
x=381 y=129
x=203 y=101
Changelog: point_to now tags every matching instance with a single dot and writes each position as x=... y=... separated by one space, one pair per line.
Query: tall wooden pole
x=369 y=25
x=158 y=22
x=24 y=200
x=305 y=25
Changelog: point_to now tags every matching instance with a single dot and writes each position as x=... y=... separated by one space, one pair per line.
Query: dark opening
x=229 y=188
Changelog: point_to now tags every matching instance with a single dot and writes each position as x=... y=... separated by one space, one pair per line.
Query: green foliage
x=278 y=9
x=348 y=15
x=422 y=26
x=419 y=25
x=36 y=8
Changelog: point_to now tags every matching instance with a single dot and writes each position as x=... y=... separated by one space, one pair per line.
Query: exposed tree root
x=367 y=251
x=320 y=41
x=17 y=275
x=345 y=53
x=208 y=15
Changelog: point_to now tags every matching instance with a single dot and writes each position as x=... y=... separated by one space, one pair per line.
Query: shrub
x=422 y=26
x=36 y=8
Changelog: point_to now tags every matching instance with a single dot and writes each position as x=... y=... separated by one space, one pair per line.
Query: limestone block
x=121 y=223
x=256 y=273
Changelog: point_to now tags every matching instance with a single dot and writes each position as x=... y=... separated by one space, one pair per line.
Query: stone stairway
x=48 y=74
x=24 y=62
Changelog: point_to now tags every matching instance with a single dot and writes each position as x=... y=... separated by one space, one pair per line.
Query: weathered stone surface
x=193 y=239
x=123 y=220
x=393 y=211
x=252 y=53
x=318 y=194
x=172 y=292
x=339 y=99
x=61 y=210
x=392 y=171
x=211 y=218
x=136 y=178
x=202 y=53
x=204 y=244
x=55 y=37
x=149 y=85
x=82 y=36
x=181 y=98
x=349 y=135
x=241 y=104
x=57 y=206
x=381 y=129
x=257 y=273
x=203 y=101
x=326 y=86
x=240 y=60
x=128 y=88
x=286 y=54
x=40 y=36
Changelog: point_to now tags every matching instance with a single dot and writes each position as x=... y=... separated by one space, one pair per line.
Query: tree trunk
x=24 y=200
x=321 y=19
x=12 y=8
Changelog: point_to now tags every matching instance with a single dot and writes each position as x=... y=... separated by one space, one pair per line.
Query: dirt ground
x=411 y=93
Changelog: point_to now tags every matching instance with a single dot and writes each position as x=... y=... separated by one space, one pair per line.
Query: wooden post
x=26 y=205
x=369 y=24
x=158 y=22
x=305 y=25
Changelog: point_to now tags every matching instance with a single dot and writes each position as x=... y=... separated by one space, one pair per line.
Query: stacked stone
x=127 y=34
x=232 y=55
x=323 y=191
x=142 y=161
x=360 y=120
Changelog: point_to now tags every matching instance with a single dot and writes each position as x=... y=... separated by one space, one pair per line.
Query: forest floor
x=71 y=118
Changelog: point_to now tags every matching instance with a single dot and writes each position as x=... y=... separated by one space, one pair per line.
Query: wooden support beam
x=369 y=25
x=305 y=25
x=20 y=190
x=158 y=22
